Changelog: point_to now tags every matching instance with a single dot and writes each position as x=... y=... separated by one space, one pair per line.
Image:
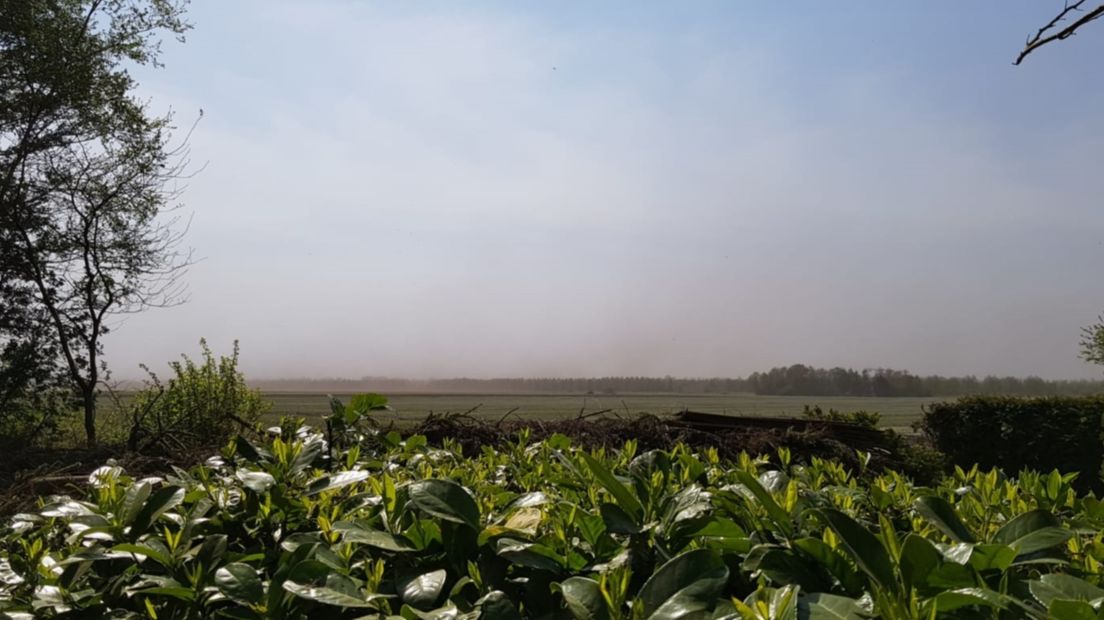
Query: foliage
x=85 y=179
x=800 y=379
x=393 y=527
x=203 y=404
x=866 y=419
x=33 y=397
x=1020 y=433
x=1092 y=342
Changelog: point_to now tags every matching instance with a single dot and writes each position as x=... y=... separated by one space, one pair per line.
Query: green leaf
x=178 y=592
x=363 y=403
x=256 y=481
x=719 y=527
x=583 y=599
x=617 y=520
x=211 y=551
x=780 y=517
x=358 y=533
x=1071 y=610
x=822 y=606
x=335 y=592
x=424 y=590
x=942 y=515
x=336 y=481
x=133 y=502
x=239 y=583
x=1033 y=531
x=497 y=606
x=863 y=546
x=783 y=567
x=919 y=558
x=446 y=500
x=621 y=493
x=161 y=501
x=835 y=561
x=970 y=597
x=687 y=584
x=1057 y=586
x=992 y=557
x=157 y=555
x=529 y=555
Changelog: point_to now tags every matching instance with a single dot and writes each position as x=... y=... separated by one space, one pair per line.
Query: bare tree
x=87 y=177
x=1060 y=28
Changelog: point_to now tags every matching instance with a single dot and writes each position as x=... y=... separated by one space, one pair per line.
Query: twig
x=506 y=415
x=1041 y=37
x=592 y=414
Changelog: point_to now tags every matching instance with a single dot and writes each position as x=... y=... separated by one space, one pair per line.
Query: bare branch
x=1047 y=35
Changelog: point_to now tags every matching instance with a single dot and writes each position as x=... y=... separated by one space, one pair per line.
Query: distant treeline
x=801 y=380
x=796 y=380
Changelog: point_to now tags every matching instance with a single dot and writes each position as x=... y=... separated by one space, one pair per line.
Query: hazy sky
x=501 y=189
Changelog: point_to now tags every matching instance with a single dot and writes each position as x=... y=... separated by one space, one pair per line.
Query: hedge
x=1042 y=434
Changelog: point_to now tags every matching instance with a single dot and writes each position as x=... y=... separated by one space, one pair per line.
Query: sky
x=440 y=189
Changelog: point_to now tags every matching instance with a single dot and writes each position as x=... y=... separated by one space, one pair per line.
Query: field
x=897 y=413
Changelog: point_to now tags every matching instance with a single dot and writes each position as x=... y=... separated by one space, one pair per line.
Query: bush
x=395 y=528
x=1015 y=434
x=864 y=418
x=202 y=404
x=33 y=396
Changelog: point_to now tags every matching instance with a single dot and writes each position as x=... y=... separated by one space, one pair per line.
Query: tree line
x=794 y=380
x=802 y=380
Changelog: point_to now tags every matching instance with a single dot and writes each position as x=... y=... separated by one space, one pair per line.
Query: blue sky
x=503 y=189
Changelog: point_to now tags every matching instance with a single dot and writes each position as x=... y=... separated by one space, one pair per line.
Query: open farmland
x=896 y=412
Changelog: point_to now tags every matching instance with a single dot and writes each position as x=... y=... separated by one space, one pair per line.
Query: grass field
x=897 y=413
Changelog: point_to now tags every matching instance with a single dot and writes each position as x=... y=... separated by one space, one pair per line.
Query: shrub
x=33 y=397
x=1021 y=433
x=864 y=418
x=401 y=529
x=203 y=404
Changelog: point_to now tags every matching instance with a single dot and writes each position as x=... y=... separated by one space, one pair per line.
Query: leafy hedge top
x=385 y=527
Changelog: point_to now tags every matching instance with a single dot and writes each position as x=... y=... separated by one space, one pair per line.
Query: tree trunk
x=90 y=416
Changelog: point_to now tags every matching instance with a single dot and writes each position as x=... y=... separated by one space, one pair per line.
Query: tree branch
x=1042 y=37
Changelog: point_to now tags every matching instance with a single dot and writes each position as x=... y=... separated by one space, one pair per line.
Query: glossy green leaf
x=778 y=516
x=424 y=590
x=622 y=494
x=942 y=515
x=240 y=583
x=497 y=606
x=530 y=555
x=256 y=481
x=617 y=520
x=1033 y=531
x=970 y=597
x=359 y=533
x=1056 y=586
x=446 y=500
x=335 y=481
x=863 y=546
x=821 y=606
x=919 y=558
x=583 y=599
x=687 y=584
x=335 y=593
x=160 y=501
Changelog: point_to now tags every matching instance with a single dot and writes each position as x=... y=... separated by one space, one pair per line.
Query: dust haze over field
x=569 y=190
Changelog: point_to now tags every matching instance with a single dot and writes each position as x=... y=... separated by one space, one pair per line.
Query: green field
x=896 y=412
